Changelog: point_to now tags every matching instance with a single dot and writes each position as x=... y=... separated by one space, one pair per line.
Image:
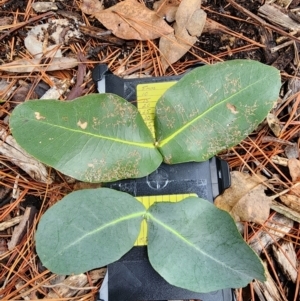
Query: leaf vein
x=140 y=144
x=181 y=129
x=177 y=234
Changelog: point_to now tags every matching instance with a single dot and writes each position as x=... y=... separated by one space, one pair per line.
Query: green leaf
x=196 y=246
x=213 y=108
x=88 y=229
x=96 y=138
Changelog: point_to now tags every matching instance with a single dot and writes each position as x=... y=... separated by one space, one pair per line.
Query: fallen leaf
x=274 y=124
x=294 y=168
x=91 y=6
x=25 y=65
x=68 y=287
x=130 y=20
x=292 y=151
x=190 y=21
x=46 y=39
x=245 y=200
x=97 y=274
x=166 y=9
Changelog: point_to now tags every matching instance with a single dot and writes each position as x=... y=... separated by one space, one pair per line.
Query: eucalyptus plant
x=103 y=138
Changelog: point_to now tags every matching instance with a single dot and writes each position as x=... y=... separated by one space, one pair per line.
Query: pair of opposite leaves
x=192 y=244
x=103 y=138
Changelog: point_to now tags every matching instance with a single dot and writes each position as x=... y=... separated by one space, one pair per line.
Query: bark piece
x=276 y=15
x=21 y=158
x=10 y=223
x=286 y=257
x=284 y=59
x=286 y=211
x=21 y=229
x=274 y=124
x=292 y=201
x=294 y=169
x=268 y=290
x=275 y=229
x=266 y=37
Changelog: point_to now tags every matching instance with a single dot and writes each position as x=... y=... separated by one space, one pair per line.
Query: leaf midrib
x=181 y=129
x=97 y=230
x=178 y=235
x=140 y=144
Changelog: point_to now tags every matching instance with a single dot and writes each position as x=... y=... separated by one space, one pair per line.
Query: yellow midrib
x=179 y=236
x=145 y=145
x=181 y=129
x=102 y=227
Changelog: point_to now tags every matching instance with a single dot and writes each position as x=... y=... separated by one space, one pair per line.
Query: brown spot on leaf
x=81 y=124
x=232 y=108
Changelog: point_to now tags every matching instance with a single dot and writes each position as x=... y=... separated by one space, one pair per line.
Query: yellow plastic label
x=147 y=97
x=150 y=200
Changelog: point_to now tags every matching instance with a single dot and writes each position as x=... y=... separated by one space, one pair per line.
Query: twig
x=276 y=48
x=69 y=286
x=78 y=88
x=10 y=223
x=34 y=19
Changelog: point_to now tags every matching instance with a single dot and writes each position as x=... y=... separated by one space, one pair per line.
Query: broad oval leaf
x=213 y=108
x=95 y=138
x=196 y=246
x=88 y=229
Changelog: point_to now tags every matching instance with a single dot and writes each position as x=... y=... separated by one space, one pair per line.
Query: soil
x=240 y=37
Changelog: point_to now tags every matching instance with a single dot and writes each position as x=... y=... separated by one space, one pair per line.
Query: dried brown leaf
x=131 y=20
x=68 y=287
x=31 y=65
x=166 y=9
x=294 y=168
x=274 y=124
x=292 y=151
x=190 y=21
x=91 y=6
x=45 y=40
x=245 y=200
